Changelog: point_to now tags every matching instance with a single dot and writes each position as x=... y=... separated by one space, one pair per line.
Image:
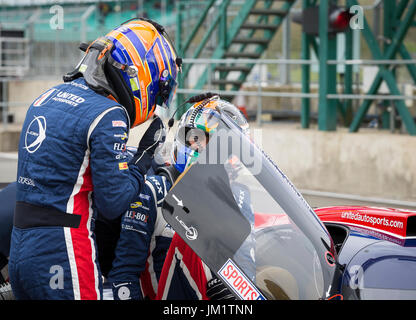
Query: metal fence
x=46 y=50
x=14 y=56
x=48 y=47
x=56 y=56
x=259 y=82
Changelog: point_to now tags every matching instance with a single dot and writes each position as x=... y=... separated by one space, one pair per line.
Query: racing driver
x=143 y=223
x=184 y=275
x=72 y=159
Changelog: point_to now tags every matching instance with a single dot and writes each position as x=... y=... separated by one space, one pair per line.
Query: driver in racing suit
x=144 y=240
x=144 y=232
x=144 y=215
x=184 y=275
x=72 y=159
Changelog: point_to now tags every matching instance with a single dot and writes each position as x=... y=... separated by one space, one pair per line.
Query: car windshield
x=234 y=204
x=276 y=255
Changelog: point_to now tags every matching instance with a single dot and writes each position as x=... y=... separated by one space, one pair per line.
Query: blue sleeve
x=137 y=227
x=115 y=181
x=160 y=187
x=159 y=254
x=137 y=231
x=163 y=231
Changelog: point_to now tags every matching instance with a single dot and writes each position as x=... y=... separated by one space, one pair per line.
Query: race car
x=375 y=250
x=375 y=254
x=257 y=233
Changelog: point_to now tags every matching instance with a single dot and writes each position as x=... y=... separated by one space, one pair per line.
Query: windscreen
x=249 y=224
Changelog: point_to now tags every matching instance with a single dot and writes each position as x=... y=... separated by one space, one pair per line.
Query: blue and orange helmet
x=136 y=64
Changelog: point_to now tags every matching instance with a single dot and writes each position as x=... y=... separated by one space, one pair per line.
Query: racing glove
x=216 y=290
x=154 y=136
x=126 y=291
x=6 y=292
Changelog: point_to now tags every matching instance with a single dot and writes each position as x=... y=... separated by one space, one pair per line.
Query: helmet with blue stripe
x=196 y=127
x=136 y=64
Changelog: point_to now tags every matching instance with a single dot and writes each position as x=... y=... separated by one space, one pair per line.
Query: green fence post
x=327 y=112
x=349 y=74
x=222 y=36
x=305 y=55
x=384 y=73
x=178 y=45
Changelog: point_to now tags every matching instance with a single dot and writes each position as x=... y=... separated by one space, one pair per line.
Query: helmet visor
x=193 y=138
x=167 y=90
